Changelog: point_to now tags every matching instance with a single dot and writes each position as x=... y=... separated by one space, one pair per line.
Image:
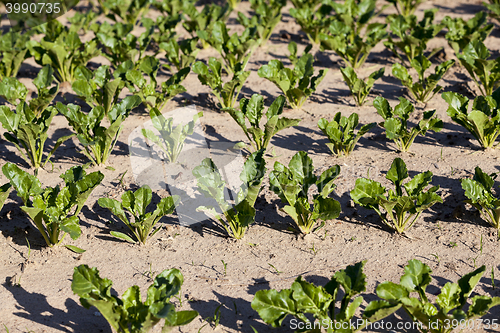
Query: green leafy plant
x=313 y=21
x=483 y=121
x=195 y=21
x=340 y=132
x=397 y=211
x=128 y=11
x=461 y=32
x=294 y=57
x=63 y=50
x=479 y=194
x=81 y=22
x=406 y=7
x=448 y=312
x=251 y=111
x=426 y=87
x=119 y=44
x=396 y=122
x=54 y=210
x=411 y=37
x=211 y=76
x=360 y=89
x=171 y=138
x=152 y=94
x=180 y=54
x=494 y=8
x=4 y=194
x=164 y=28
x=130 y=314
x=486 y=73
x=235 y=50
x=136 y=203
x=345 y=32
x=306 y=298
x=297 y=84
x=97 y=88
x=98 y=141
x=267 y=16
x=292 y=185
x=239 y=216
x=13 y=52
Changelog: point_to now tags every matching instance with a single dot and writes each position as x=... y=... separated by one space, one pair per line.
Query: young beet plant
x=313 y=21
x=130 y=314
x=98 y=141
x=304 y=298
x=211 y=184
x=211 y=76
x=267 y=16
x=171 y=138
x=461 y=32
x=292 y=185
x=251 y=111
x=360 y=89
x=406 y=7
x=426 y=87
x=479 y=194
x=4 y=194
x=483 y=121
x=297 y=84
x=180 y=54
x=340 y=132
x=397 y=211
x=484 y=72
x=13 y=52
x=54 y=210
x=396 y=122
x=448 y=313
x=136 y=203
x=195 y=21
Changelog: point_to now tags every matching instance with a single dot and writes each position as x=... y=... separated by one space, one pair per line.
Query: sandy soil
x=447 y=237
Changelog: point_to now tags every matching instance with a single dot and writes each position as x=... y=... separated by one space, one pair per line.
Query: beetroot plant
x=461 y=32
x=360 y=89
x=397 y=210
x=136 y=204
x=4 y=194
x=292 y=185
x=130 y=314
x=267 y=16
x=13 y=52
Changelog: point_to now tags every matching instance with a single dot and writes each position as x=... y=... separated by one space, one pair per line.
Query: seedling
x=305 y=298
x=486 y=73
x=406 y=7
x=453 y=244
x=54 y=210
x=211 y=184
x=225 y=267
x=426 y=87
x=136 y=203
x=215 y=319
x=396 y=122
x=493 y=277
x=478 y=190
x=129 y=314
x=211 y=76
x=397 y=211
x=267 y=16
x=171 y=139
x=461 y=32
x=292 y=185
x=482 y=121
x=203 y=21
x=436 y=257
x=360 y=89
x=13 y=52
x=251 y=111
x=180 y=53
x=314 y=250
x=340 y=132
x=313 y=21
x=275 y=269
x=297 y=84
x=448 y=312
x=294 y=56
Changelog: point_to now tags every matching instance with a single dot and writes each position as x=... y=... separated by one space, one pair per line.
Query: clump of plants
x=448 y=312
x=251 y=112
x=340 y=132
x=267 y=16
x=483 y=119
x=478 y=190
x=360 y=89
x=292 y=185
x=211 y=75
x=180 y=53
x=128 y=11
x=297 y=84
x=312 y=20
x=485 y=72
x=399 y=211
x=238 y=215
x=54 y=210
x=406 y=7
x=396 y=122
x=195 y=21
x=304 y=298
x=129 y=313
x=136 y=204
x=171 y=138
x=347 y=34
x=461 y=32
x=13 y=52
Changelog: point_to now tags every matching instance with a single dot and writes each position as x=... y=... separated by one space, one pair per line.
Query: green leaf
x=74 y=248
x=274 y=306
x=417 y=276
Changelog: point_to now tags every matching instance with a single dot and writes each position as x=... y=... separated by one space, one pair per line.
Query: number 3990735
x=33 y=8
